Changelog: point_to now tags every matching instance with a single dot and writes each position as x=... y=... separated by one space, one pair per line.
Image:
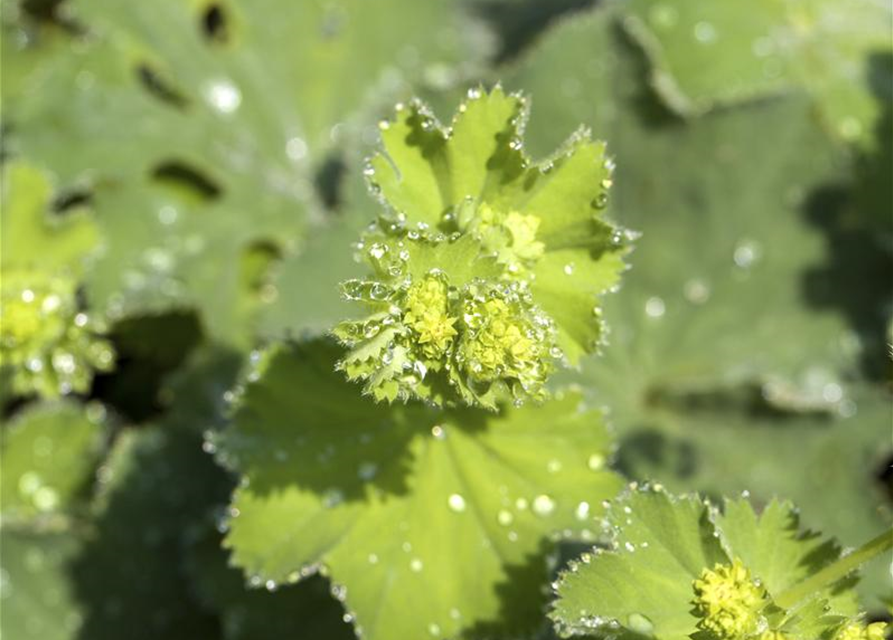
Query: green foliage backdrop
x=185 y=184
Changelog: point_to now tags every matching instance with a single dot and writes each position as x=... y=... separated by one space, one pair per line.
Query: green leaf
x=661 y=544
x=200 y=127
x=33 y=238
x=308 y=298
x=39 y=602
x=48 y=454
x=433 y=175
x=427 y=522
x=777 y=550
x=705 y=54
x=733 y=354
x=49 y=345
x=646 y=581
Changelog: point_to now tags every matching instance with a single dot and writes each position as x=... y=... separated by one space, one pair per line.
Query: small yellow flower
x=728 y=601
x=46 y=345
x=512 y=235
x=501 y=342
x=860 y=631
x=427 y=315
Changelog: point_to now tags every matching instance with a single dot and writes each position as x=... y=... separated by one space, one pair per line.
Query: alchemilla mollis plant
x=487 y=268
x=486 y=273
x=286 y=352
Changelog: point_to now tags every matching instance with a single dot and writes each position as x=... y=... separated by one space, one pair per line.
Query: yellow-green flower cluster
x=508 y=234
x=427 y=315
x=729 y=602
x=861 y=631
x=501 y=341
x=484 y=340
x=47 y=346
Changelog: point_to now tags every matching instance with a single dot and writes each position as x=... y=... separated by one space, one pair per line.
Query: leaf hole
x=158 y=87
x=329 y=180
x=885 y=476
x=215 y=24
x=181 y=176
x=256 y=264
x=69 y=200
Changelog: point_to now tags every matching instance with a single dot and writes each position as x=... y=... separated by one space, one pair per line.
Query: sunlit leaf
x=645 y=583
x=427 y=522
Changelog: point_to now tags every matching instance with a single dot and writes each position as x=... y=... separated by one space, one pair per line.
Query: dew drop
x=569 y=268
x=416 y=565
x=504 y=517
x=543 y=505
x=167 y=215
x=640 y=623
x=582 y=511
x=296 y=148
x=596 y=462
x=696 y=291
x=45 y=499
x=655 y=307
x=367 y=471
x=223 y=96
x=747 y=253
x=705 y=33
x=456 y=503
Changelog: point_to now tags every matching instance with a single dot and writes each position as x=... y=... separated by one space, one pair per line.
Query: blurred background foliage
x=183 y=178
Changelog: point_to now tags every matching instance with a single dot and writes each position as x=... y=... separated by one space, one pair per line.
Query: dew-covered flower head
x=47 y=344
x=728 y=601
x=486 y=268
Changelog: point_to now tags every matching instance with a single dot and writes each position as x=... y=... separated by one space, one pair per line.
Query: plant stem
x=834 y=572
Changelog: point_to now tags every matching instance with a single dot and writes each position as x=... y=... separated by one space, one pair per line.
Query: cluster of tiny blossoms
x=861 y=631
x=48 y=346
x=730 y=603
x=454 y=330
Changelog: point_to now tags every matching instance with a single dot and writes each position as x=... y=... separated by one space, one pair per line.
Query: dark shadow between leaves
x=129 y=577
x=647 y=453
x=303 y=611
x=857 y=221
x=304 y=424
x=147 y=348
x=519 y=23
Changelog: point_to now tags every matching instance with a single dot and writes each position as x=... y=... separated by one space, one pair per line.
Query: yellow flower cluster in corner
x=859 y=631
x=427 y=315
x=729 y=602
